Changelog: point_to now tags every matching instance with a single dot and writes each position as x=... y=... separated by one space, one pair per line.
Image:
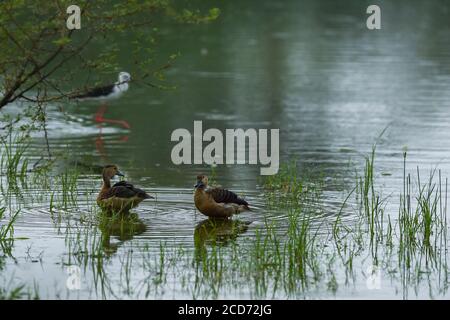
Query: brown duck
x=122 y=196
x=217 y=202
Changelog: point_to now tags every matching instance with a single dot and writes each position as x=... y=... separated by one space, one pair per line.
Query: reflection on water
x=217 y=232
x=99 y=141
x=99 y=118
x=124 y=227
x=309 y=68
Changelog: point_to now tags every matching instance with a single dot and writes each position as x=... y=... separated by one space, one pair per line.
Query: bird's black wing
x=225 y=196
x=123 y=189
x=120 y=192
x=123 y=183
x=96 y=92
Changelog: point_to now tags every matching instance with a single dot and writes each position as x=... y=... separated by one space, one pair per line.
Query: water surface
x=310 y=68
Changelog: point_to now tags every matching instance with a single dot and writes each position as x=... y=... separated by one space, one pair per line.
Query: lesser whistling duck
x=217 y=202
x=122 y=196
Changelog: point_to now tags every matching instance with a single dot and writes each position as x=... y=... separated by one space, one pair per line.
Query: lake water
x=309 y=68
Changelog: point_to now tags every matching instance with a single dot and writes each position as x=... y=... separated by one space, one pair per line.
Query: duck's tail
x=147 y=196
x=144 y=195
x=242 y=208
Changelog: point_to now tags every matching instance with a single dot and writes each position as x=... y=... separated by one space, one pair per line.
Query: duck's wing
x=225 y=196
x=96 y=92
x=120 y=192
x=123 y=189
x=123 y=184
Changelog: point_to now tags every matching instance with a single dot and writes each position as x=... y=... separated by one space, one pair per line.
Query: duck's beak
x=199 y=184
x=120 y=174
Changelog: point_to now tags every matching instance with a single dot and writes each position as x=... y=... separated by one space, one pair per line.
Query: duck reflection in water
x=123 y=227
x=217 y=232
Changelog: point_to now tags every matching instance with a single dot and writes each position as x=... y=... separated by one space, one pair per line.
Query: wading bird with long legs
x=104 y=94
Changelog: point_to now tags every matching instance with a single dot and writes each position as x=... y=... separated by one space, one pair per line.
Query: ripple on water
x=171 y=218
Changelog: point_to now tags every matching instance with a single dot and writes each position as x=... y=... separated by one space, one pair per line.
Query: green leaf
x=214 y=13
x=62 y=41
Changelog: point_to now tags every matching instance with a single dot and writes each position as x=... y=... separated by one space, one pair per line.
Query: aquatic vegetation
x=371 y=202
x=67 y=195
x=415 y=241
x=16 y=292
x=7 y=231
x=289 y=262
x=12 y=294
x=312 y=247
x=423 y=220
x=13 y=161
x=289 y=188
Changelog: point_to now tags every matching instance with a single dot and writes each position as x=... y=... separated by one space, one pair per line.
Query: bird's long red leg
x=99 y=118
x=99 y=144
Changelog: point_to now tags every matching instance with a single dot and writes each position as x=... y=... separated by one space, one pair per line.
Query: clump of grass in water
x=12 y=294
x=13 y=163
x=269 y=262
x=20 y=291
x=290 y=259
x=69 y=182
x=16 y=169
x=371 y=204
x=7 y=229
x=90 y=251
x=288 y=189
x=419 y=236
x=68 y=194
x=422 y=218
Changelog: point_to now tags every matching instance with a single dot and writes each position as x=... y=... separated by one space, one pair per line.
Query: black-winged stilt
x=104 y=94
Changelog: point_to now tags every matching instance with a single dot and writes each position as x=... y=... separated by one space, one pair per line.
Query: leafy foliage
x=40 y=54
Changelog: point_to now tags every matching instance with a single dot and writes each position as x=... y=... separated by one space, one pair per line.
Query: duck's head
x=124 y=77
x=202 y=182
x=111 y=170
